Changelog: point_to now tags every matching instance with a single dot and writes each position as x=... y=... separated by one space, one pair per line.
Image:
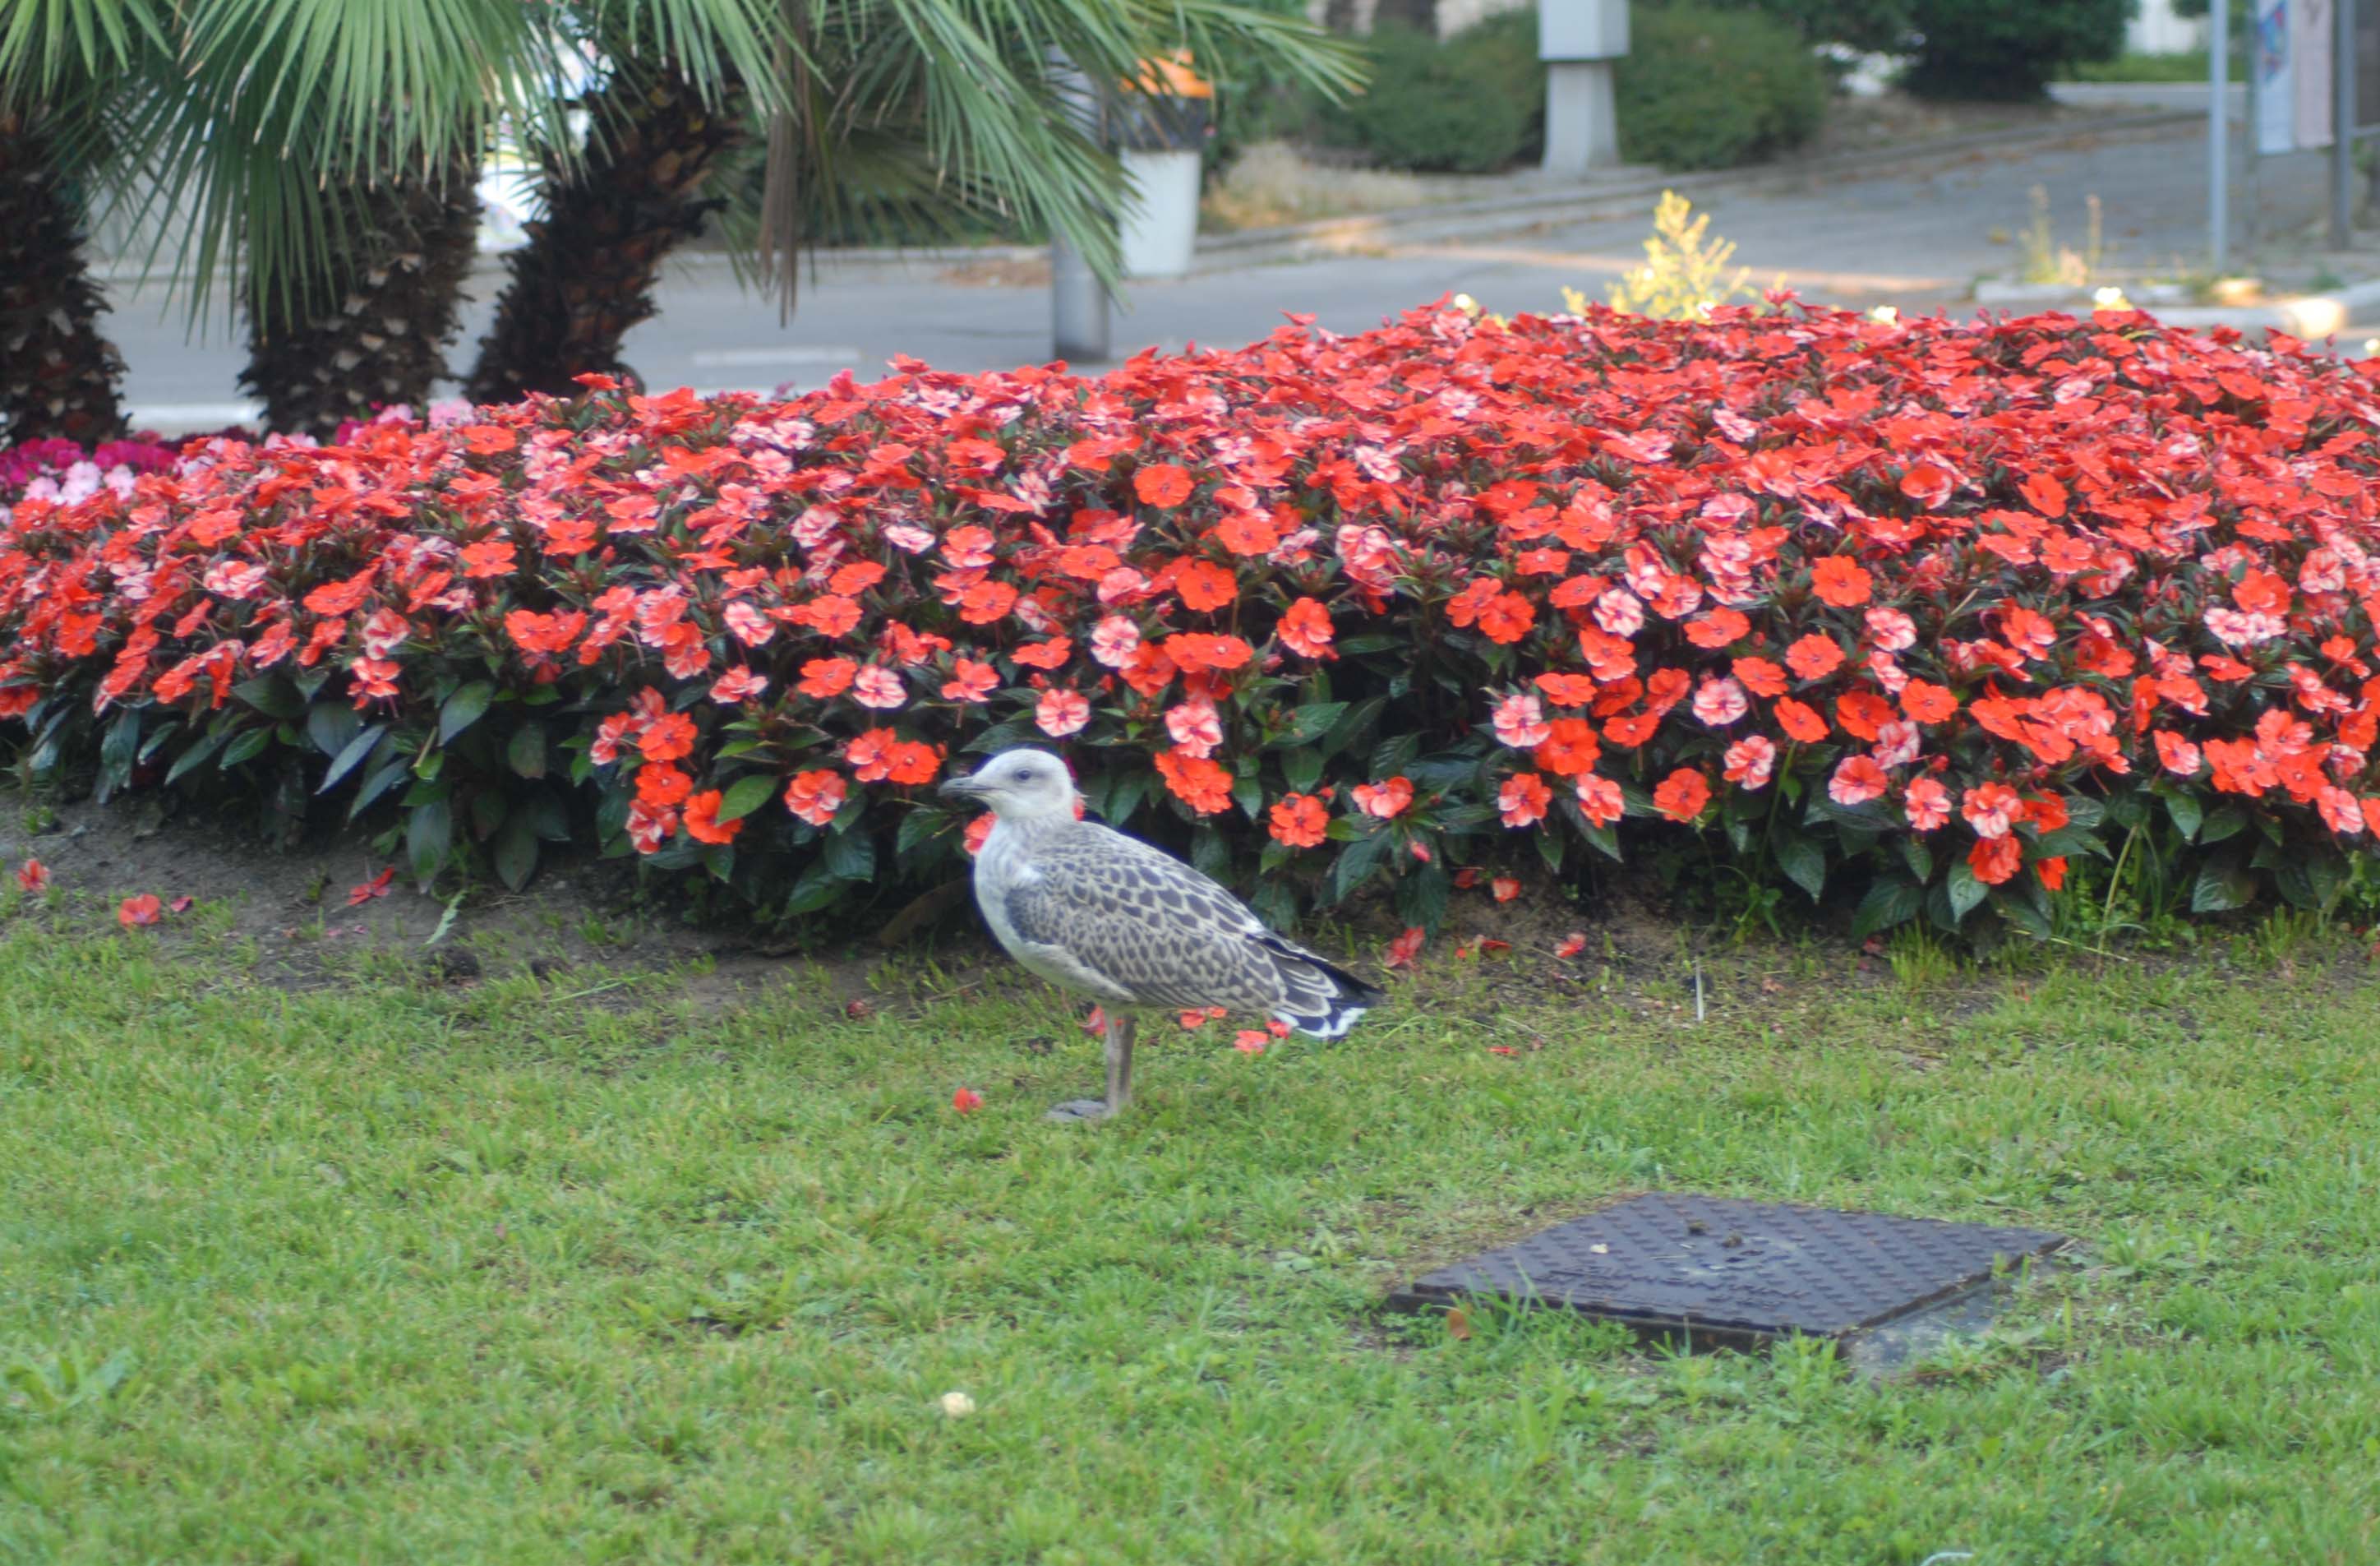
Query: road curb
x=2310 y=316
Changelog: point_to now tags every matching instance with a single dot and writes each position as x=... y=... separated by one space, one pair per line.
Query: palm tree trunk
x=587 y=274
x=58 y=376
x=345 y=349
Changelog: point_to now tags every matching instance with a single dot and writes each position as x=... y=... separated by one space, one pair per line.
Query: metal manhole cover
x=1737 y=1273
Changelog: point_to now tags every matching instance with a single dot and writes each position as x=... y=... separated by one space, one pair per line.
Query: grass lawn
x=394 y=1270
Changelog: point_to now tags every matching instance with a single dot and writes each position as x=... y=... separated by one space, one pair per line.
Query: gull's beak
x=960 y=788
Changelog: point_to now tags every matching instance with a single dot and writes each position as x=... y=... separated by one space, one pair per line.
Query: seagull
x=1106 y=916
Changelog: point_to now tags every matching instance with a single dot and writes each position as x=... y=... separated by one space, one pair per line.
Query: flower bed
x=1918 y=610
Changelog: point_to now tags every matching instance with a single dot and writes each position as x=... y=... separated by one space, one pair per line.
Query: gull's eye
x=1025 y=774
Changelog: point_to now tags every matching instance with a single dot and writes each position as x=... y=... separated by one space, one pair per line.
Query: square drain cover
x=1735 y=1273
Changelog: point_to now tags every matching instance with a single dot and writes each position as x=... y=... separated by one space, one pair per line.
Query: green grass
x=2183 y=66
x=395 y=1272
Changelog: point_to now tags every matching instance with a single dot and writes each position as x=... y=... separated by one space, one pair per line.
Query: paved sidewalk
x=1915 y=235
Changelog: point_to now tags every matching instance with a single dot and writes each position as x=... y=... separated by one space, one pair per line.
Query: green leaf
x=748 y=794
x=330 y=725
x=1891 y=900
x=1552 y=845
x=1918 y=857
x=428 y=833
x=463 y=709
x=245 y=746
x=1392 y=757
x=816 y=890
x=1312 y=721
x=1211 y=853
x=2186 y=814
x=2223 y=884
x=515 y=850
x=851 y=855
x=487 y=813
x=2022 y=911
x=1126 y=797
x=1421 y=896
x=1357 y=861
x=351 y=756
x=274 y=696
x=389 y=775
x=1249 y=794
x=1966 y=894
x=1803 y=862
x=918 y=829
x=1302 y=769
x=117 y=753
x=1353 y=725
x=198 y=754
x=524 y=752
x=2223 y=821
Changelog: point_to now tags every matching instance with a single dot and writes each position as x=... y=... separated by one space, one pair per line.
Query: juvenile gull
x=1106 y=916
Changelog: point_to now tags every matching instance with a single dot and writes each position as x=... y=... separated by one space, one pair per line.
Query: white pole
x=2218 y=133
x=2343 y=111
x=1078 y=300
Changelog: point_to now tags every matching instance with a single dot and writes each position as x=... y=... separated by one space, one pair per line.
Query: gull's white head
x=1019 y=785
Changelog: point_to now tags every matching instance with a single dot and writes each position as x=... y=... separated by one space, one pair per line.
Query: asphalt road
x=1915 y=236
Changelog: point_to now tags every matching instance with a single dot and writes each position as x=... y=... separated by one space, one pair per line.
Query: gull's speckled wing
x=1144 y=925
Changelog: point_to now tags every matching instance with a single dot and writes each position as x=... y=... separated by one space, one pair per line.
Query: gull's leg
x=1117 y=1043
x=1119 y=1031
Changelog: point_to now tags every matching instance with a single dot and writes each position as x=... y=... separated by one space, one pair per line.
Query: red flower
x=1507 y=617
x=1927 y=803
x=1299 y=820
x=1927 y=703
x=966 y=1101
x=1840 y=581
x=1800 y=723
x=1204 y=586
x=669 y=737
x=33 y=878
x=1199 y=652
x=1570 y=749
x=1305 y=629
x=376 y=887
x=1570 y=945
x=701 y=820
x=970 y=682
x=1161 y=484
x=1251 y=1040
x=1683 y=795
x=1814 y=657
x=1504 y=888
x=1202 y=785
x=1995 y=860
x=144 y=909
x=1404 y=949
x=2052 y=872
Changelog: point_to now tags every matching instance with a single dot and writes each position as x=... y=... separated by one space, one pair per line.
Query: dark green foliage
x=2008 y=49
x=1707 y=88
x=1471 y=105
x=1880 y=25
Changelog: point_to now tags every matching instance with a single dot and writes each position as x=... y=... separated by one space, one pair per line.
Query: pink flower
x=1857 y=780
x=1061 y=712
x=877 y=686
x=1520 y=723
x=1721 y=702
x=738 y=685
x=1195 y=727
x=1751 y=763
x=1927 y=803
x=1386 y=800
x=1990 y=810
x=1601 y=799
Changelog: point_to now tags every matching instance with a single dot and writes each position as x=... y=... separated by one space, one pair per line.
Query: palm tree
x=319 y=154
x=59 y=60
x=890 y=116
